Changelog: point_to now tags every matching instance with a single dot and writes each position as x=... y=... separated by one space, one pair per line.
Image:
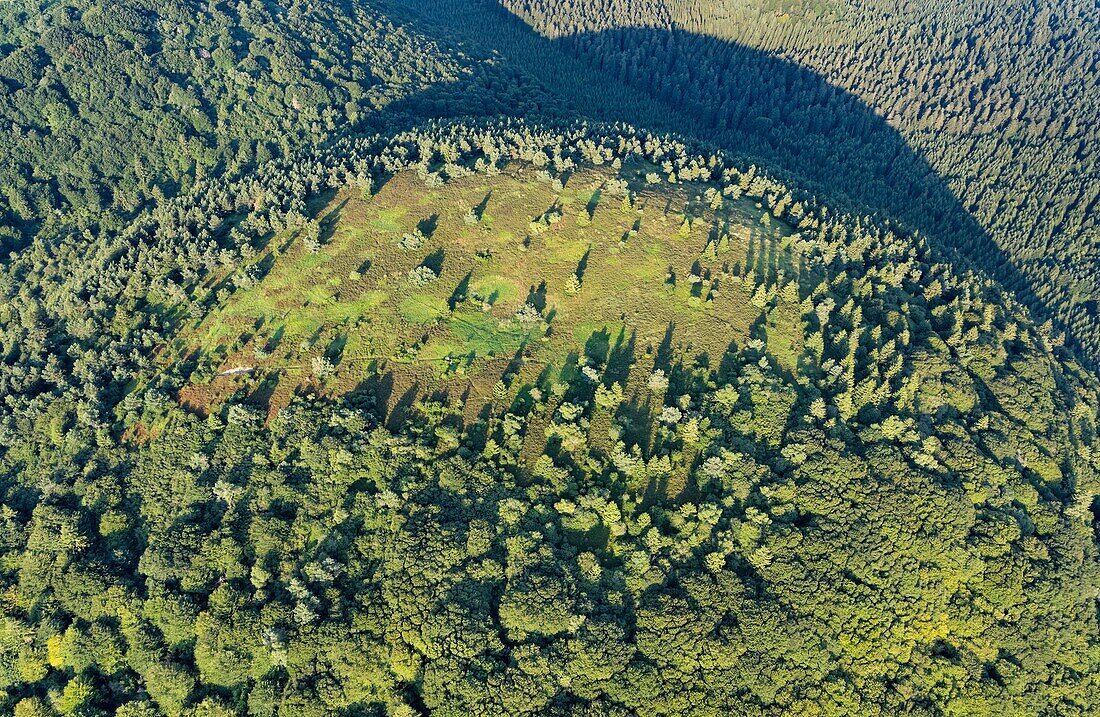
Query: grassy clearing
x=407 y=288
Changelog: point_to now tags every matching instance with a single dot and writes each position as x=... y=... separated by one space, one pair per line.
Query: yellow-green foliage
x=851 y=482
x=351 y=298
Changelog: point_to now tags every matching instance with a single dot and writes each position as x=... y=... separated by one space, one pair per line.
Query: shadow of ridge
x=764 y=108
x=753 y=105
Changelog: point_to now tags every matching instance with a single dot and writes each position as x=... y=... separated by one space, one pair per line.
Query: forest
x=972 y=122
x=518 y=357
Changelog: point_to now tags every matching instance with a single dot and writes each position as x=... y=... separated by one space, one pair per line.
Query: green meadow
x=508 y=279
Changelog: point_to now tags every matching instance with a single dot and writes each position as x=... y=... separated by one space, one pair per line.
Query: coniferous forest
x=549 y=357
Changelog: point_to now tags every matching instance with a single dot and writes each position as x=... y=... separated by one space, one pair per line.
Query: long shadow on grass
x=330 y=221
x=753 y=104
x=402 y=408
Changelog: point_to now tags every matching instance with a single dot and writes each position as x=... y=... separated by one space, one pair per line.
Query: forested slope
x=972 y=124
x=1001 y=97
x=312 y=404
x=997 y=101
x=105 y=106
x=899 y=518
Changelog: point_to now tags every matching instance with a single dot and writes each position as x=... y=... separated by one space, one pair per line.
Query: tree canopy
x=905 y=525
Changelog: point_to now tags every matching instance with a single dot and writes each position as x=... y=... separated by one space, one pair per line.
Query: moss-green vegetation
x=990 y=152
x=853 y=482
x=311 y=406
x=603 y=257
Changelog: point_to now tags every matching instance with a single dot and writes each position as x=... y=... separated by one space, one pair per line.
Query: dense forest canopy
x=994 y=105
x=597 y=542
x=109 y=105
x=1001 y=97
x=533 y=357
x=998 y=101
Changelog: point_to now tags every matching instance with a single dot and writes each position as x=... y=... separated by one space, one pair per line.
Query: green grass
x=488 y=336
x=496 y=289
x=388 y=220
x=422 y=309
x=462 y=328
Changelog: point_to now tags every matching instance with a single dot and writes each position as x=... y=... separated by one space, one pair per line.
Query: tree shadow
x=479 y=210
x=434 y=261
x=536 y=296
x=637 y=417
x=593 y=202
x=261 y=394
x=402 y=408
x=461 y=292
x=329 y=222
x=582 y=265
x=598 y=346
x=752 y=104
x=275 y=339
x=663 y=358
x=620 y=358
x=335 y=350
x=427 y=226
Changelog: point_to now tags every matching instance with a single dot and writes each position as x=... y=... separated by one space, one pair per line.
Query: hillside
x=865 y=102
x=486 y=279
x=108 y=108
x=395 y=358
x=1001 y=97
x=832 y=459
x=972 y=123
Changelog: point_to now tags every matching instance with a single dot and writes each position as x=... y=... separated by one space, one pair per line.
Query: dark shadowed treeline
x=999 y=101
x=974 y=124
